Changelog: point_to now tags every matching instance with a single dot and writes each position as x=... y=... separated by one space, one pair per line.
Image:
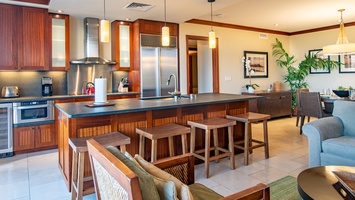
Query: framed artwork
x=347 y=63
x=258 y=63
x=319 y=53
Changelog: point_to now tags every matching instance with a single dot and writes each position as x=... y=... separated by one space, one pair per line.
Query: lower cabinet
x=32 y=138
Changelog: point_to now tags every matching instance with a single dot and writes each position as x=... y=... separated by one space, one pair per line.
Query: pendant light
x=211 y=34
x=165 y=35
x=105 y=27
x=342 y=46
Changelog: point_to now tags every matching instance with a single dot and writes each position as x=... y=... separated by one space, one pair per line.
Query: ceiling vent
x=138 y=6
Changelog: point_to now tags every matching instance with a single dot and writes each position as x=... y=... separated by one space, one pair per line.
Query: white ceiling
x=290 y=15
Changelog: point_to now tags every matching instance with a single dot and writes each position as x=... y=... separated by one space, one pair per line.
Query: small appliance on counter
x=9 y=92
x=47 y=86
x=123 y=85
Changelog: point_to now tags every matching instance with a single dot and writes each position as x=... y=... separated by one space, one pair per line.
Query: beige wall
x=232 y=44
x=301 y=44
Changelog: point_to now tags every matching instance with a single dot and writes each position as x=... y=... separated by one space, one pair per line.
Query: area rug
x=284 y=189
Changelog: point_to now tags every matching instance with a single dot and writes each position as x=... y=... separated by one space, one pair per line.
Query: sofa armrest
x=319 y=130
x=259 y=191
x=182 y=167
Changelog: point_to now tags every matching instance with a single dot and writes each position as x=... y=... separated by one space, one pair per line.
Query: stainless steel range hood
x=92 y=44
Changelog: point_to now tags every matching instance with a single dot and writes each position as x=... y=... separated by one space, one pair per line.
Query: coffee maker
x=47 y=87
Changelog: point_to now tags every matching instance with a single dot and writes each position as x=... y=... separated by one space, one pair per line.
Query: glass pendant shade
x=105 y=30
x=342 y=45
x=212 y=39
x=165 y=39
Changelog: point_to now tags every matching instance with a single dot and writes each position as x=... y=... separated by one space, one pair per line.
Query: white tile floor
x=35 y=176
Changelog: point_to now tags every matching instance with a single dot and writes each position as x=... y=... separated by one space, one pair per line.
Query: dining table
x=328 y=101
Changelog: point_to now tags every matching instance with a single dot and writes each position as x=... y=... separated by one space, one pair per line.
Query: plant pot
x=250 y=90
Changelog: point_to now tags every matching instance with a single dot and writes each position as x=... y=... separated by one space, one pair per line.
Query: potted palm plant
x=296 y=76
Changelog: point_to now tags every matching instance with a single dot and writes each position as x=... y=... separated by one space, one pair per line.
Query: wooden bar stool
x=208 y=125
x=84 y=185
x=247 y=119
x=159 y=132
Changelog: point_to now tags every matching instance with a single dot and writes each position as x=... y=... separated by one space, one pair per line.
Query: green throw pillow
x=146 y=182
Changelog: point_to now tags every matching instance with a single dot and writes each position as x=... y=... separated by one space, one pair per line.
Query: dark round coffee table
x=320 y=183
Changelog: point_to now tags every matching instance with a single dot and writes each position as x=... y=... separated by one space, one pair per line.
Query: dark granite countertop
x=80 y=109
x=55 y=97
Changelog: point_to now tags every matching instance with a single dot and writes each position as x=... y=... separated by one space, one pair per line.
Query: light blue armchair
x=332 y=139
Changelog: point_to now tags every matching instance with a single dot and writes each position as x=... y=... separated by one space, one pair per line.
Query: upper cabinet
x=23 y=38
x=8 y=41
x=59 y=34
x=33 y=39
x=121 y=36
x=154 y=27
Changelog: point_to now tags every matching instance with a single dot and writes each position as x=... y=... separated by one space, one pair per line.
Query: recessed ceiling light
x=60 y=11
x=276 y=24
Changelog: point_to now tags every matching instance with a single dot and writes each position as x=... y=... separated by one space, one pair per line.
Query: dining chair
x=311 y=106
x=299 y=109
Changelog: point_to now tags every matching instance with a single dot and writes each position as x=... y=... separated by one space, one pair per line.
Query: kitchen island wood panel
x=76 y=120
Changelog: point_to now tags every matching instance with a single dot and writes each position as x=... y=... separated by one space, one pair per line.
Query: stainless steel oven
x=33 y=111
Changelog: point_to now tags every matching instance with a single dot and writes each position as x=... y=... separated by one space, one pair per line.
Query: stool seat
x=159 y=132
x=212 y=124
x=81 y=185
x=108 y=139
x=247 y=119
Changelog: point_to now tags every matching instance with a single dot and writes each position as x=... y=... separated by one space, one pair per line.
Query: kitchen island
x=78 y=120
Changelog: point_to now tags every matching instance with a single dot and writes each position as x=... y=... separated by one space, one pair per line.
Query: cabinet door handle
x=282 y=97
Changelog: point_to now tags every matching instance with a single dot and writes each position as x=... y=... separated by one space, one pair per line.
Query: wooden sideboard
x=276 y=104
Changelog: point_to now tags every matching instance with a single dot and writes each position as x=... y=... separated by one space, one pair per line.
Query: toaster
x=9 y=91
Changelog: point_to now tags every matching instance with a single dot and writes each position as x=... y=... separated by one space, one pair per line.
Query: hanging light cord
x=341 y=22
x=211 y=16
x=104 y=9
x=165 y=12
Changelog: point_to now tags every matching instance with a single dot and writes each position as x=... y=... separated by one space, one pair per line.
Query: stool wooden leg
x=250 y=137
x=215 y=142
x=141 y=145
x=171 y=147
x=74 y=176
x=192 y=139
x=207 y=152
x=123 y=148
x=231 y=146
x=154 y=151
x=266 y=140
x=246 y=144
x=81 y=165
x=184 y=143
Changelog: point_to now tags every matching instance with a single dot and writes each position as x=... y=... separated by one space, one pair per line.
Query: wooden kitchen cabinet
x=8 y=40
x=276 y=104
x=33 y=39
x=154 y=27
x=59 y=33
x=32 y=138
x=121 y=44
x=24 y=38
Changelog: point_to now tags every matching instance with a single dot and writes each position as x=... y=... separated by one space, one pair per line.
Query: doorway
x=202 y=65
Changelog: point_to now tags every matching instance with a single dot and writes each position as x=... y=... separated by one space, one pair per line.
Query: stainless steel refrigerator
x=157 y=63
